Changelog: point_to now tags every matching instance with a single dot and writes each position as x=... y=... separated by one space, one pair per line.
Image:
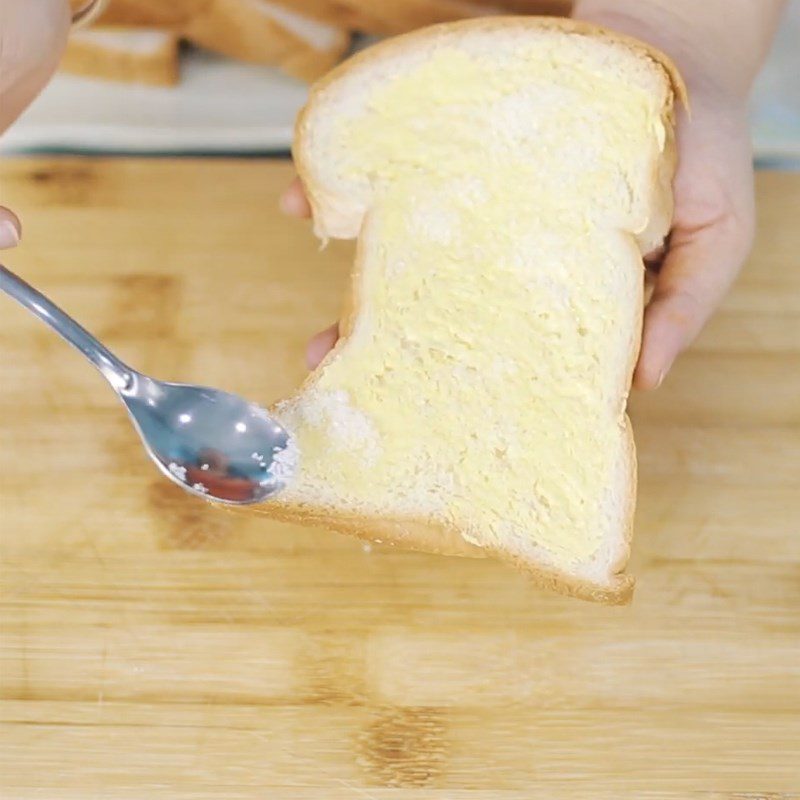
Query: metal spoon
x=212 y=443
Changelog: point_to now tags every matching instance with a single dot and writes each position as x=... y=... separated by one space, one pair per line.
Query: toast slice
x=256 y=31
x=503 y=177
x=390 y=17
x=556 y=8
x=155 y=13
x=128 y=55
x=264 y=32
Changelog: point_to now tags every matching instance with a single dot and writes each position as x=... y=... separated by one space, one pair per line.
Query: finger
x=696 y=273
x=650 y=279
x=654 y=258
x=294 y=202
x=32 y=39
x=321 y=345
x=10 y=229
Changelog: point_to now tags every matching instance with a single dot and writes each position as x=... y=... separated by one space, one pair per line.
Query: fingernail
x=661 y=376
x=9 y=235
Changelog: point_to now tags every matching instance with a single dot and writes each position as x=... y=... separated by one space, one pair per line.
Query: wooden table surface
x=154 y=647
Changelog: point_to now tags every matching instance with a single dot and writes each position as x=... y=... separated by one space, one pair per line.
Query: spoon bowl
x=212 y=443
x=215 y=444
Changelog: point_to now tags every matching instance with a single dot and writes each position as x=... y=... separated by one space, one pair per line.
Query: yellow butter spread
x=483 y=383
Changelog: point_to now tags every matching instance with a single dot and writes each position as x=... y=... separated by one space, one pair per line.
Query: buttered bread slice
x=503 y=178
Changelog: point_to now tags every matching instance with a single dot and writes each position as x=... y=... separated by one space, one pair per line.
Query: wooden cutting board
x=155 y=648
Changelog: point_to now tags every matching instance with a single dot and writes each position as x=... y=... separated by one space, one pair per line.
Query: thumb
x=10 y=229
x=294 y=201
x=699 y=268
x=321 y=345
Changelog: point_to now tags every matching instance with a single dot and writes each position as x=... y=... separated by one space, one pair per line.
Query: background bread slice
x=557 y=8
x=503 y=177
x=131 y=55
x=390 y=17
x=304 y=37
x=256 y=31
x=264 y=32
x=157 y=13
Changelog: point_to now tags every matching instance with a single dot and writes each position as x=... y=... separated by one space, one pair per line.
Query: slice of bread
x=256 y=31
x=557 y=8
x=390 y=17
x=172 y=14
x=503 y=177
x=128 y=55
x=264 y=32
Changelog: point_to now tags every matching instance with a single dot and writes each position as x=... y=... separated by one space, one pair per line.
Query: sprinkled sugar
x=284 y=462
x=177 y=470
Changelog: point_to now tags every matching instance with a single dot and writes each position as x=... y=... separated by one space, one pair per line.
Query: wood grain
x=153 y=647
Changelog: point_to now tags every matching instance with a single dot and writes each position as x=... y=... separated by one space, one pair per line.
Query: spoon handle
x=119 y=375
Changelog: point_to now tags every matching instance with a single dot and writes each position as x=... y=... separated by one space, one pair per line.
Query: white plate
x=219 y=106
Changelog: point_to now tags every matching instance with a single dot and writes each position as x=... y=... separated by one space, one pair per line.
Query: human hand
x=714 y=216
x=712 y=231
x=32 y=38
x=711 y=234
x=294 y=203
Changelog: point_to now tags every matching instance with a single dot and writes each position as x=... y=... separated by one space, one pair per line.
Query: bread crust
x=244 y=30
x=414 y=533
x=90 y=58
x=382 y=18
x=240 y=29
x=400 y=16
